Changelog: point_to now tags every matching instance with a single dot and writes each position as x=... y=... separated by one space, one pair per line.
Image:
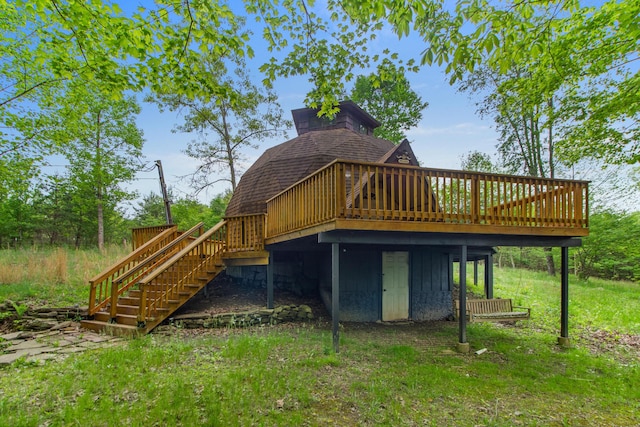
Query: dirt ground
x=223 y=296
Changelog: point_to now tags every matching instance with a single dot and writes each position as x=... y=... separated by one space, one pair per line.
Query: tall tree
x=478 y=162
x=224 y=127
x=102 y=144
x=525 y=120
x=387 y=96
x=590 y=51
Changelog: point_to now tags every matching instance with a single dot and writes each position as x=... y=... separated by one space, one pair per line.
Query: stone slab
x=26 y=345
x=12 y=336
x=7 y=359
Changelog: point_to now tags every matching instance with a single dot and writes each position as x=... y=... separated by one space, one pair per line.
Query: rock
x=36 y=325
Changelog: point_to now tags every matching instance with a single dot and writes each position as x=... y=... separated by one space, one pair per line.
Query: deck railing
x=101 y=286
x=141 y=235
x=124 y=282
x=371 y=191
x=245 y=233
x=168 y=280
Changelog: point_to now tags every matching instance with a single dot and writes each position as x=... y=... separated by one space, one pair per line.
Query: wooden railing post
x=341 y=192
x=114 y=301
x=475 y=199
x=92 y=295
x=142 y=308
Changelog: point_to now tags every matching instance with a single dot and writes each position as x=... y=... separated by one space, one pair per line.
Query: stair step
x=127 y=309
x=128 y=301
x=112 y=328
x=102 y=316
x=127 y=319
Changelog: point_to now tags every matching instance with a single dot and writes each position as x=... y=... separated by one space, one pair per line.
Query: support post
x=270 y=282
x=488 y=276
x=563 y=339
x=450 y=272
x=475 y=272
x=335 y=295
x=463 y=345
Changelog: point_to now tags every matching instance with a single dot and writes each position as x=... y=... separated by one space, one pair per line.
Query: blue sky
x=450 y=127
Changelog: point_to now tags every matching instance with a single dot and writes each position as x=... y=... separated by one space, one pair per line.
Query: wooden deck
x=168 y=267
x=370 y=196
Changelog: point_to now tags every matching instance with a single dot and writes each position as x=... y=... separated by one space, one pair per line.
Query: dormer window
x=321 y=122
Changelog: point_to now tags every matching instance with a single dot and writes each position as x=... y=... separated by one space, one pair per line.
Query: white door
x=395 y=285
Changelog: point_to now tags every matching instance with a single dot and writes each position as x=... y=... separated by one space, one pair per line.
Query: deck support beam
x=335 y=295
x=463 y=345
x=475 y=272
x=563 y=339
x=270 y=282
x=488 y=276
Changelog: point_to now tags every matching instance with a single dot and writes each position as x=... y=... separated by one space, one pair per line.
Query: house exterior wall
x=430 y=293
x=430 y=285
x=307 y=273
x=293 y=272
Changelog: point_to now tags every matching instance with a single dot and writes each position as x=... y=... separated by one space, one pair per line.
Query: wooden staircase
x=140 y=291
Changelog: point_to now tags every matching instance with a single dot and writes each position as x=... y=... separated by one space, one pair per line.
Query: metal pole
x=335 y=294
x=475 y=272
x=564 y=299
x=463 y=345
x=270 y=282
x=165 y=196
x=488 y=276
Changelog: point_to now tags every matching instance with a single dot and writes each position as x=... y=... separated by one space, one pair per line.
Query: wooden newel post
x=142 y=309
x=113 y=310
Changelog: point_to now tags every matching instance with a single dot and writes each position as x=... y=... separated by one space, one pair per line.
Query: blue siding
x=430 y=285
x=360 y=285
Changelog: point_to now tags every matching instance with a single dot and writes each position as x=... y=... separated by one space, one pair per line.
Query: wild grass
x=395 y=375
x=52 y=276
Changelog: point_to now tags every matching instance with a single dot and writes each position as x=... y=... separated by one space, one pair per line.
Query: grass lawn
x=384 y=375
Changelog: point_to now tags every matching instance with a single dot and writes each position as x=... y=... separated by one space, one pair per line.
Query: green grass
x=593 y=303
x=283 y=376
x=384 y=375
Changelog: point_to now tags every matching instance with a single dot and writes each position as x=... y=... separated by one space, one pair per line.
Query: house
x=355 y=218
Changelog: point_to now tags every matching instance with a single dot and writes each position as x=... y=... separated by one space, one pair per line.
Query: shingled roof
x=319 y=142
x=285 y=164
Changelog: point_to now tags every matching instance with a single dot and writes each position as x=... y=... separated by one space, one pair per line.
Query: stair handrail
x=121 y=266
x=142 y=284
x=117 y=287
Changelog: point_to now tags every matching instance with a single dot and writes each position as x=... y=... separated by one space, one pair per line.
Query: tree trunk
x=100 y=225
x=229 y=149
x=99 y=192
x=551 y=267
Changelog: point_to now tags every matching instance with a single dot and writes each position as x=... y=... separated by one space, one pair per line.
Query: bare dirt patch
x=224 y=296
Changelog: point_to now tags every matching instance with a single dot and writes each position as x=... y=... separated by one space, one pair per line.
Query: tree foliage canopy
x=590 y=53
x=387 y=96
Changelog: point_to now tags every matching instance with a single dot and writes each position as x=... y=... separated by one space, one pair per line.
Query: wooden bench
x=493 y=310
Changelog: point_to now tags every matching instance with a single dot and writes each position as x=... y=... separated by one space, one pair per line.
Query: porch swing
x=494 y=309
